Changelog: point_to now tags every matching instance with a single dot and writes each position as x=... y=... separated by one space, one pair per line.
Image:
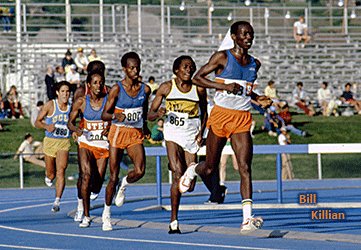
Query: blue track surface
x=26 y=221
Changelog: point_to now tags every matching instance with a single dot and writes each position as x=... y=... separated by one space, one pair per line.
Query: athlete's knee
x=244 y=169
x=139 y=172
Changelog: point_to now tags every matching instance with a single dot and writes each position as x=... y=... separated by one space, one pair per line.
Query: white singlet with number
x=61 y=131
x=240 y=101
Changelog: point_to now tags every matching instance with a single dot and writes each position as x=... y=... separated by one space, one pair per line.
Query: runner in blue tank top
x=127 y=108
x=235 y=73
x=56 y=141
x=93 y=149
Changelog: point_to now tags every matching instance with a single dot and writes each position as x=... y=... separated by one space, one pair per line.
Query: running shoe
x=223 y=193
x=93 y=196
x=79 y=215
x=120 y=197
x=107 y=225
x=185 y=180
x=85 y=222
x=174 y=227
x=55 y=208
x=48 y=182
x=251 y=224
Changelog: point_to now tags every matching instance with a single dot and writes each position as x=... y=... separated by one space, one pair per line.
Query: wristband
x=113 y=116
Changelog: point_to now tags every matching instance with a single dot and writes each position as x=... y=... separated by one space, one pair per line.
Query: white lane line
x=134 y=240
x=32 y=206
x=24 y=247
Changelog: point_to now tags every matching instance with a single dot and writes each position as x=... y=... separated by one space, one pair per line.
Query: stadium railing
x=318 y=149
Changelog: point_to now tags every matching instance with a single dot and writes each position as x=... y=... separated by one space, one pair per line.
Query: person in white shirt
x=93 y=56
x=73 y=78
x=27 y=148
x=287 y=169
x=324 y=97
x=300 y=32
x=299 y=99
x=35 y=112
x=81 y=62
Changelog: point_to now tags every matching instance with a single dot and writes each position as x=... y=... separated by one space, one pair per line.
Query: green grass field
x=323 y=130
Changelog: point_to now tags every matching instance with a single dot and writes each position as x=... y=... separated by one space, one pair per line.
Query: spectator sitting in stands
x=326 y=101
x=81 y=62
x=93 y=56
x=3 y=112
x=50 y=83
x=273 y=122
x=13 y=100
x=152 y=85
x=255 y=105
x=300 y=32
x=272 y=93
x=157 y=132
x=59 y=75
x=27 y=148
x=347 y=97
x=287 y=118
x=299 y=99
x=67 y=61
x=73 y=78
x=35 y=112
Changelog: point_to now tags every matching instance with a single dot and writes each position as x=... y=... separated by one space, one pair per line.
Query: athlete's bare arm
x=77 y=108
x=202 y=93
x=155 y=112
x=216 y=63
x=146 y=130
x=47 y=110
x=109 y=106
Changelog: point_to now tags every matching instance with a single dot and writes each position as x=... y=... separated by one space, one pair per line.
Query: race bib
x=61 y=131
x=246 y=87
x=177 y=119
x=96 y=135
x=133 y=115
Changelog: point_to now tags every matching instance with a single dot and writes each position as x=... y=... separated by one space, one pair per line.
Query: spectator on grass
x=272 y=93
x=50 y=83
x=326 y=101
x=287 y=118
x=157 y=132
x=299 y=99
x=273 y=122
x=35 y=112
x=67 y=61
x=81 y=62
x=93 y=56
x=347 y=97
x=73 y=78
x=59 y=75
x=287 y=169
x=300 y=32
x=27 y=148
x=13 y=100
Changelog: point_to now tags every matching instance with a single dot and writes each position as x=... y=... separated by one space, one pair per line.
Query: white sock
x=174 y=225
x=247 y=208
x=106 y=209
x=253 y=125
x=57 y=201
x=124 y=181
x=80 y=204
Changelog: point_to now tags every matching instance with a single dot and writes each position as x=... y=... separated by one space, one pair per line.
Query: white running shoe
x=251 y=224
x=93 y=196
x=120 y=197
x=107 y=225
x=79 y=215
x=186 y=179
x=86 y=222
x=48 y=182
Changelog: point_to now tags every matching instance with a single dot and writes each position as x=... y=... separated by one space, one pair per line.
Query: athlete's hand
x=265 y=101
x=78 y=131
x=75 y=136
x=105 y=132
x=199 y=139
x=51 y=128
x=233 y=88
x=161 y=112
x=146 y=132
x=119 y=117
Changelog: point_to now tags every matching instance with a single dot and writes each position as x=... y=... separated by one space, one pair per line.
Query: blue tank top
x=90 y=114
x=234 y=70
x=60 y=119
x=132 y=107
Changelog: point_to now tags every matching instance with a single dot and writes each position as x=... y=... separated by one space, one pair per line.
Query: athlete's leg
x=50 y=171
x=99 y=174
x=87 y=161
x=137 y=155
x=79 y=183
x=62 y=158
x=222 y=170
x=115 y=157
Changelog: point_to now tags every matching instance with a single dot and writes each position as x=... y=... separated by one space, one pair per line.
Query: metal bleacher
x=332 y=57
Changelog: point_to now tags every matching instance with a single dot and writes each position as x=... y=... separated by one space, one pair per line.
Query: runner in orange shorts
x=126 y=108
x=236 y=72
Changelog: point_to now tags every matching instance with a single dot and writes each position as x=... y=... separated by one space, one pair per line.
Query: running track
x=26 y=221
